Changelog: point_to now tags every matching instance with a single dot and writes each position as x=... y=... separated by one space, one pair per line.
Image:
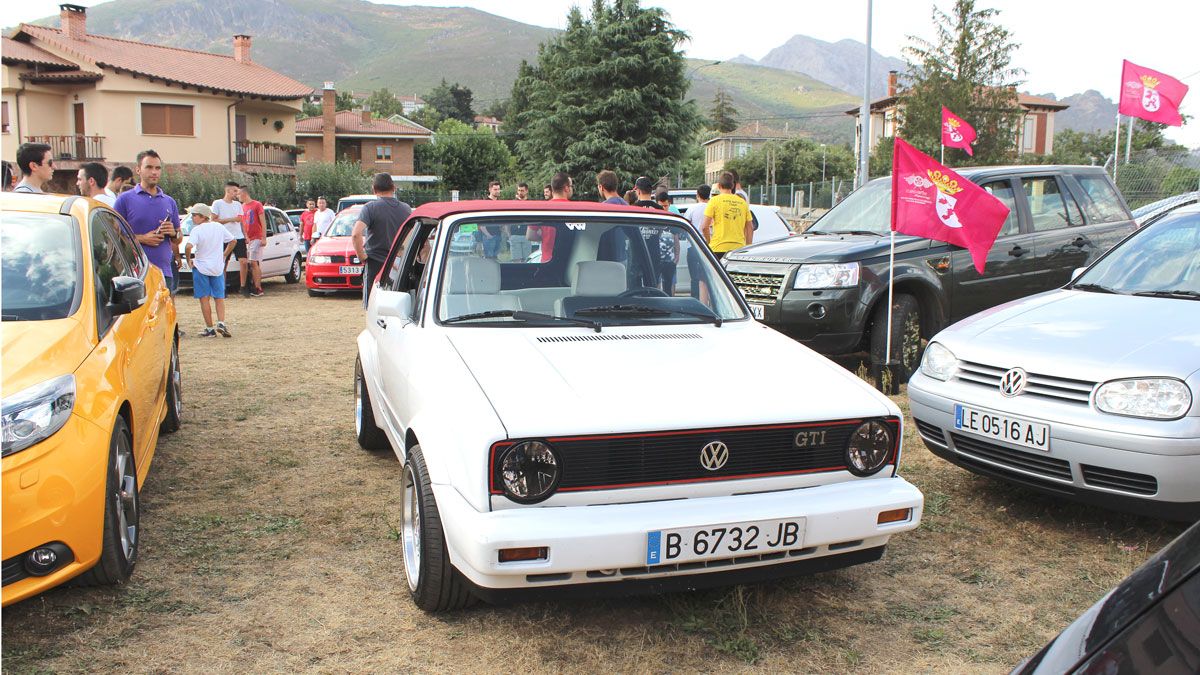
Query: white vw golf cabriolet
x=565 y=425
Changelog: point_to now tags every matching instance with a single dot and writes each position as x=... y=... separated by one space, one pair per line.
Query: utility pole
x=864 y=115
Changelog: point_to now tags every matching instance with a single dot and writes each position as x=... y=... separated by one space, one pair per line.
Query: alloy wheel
x=177 y=383
x=411 y=529
x=125 y=499
x=358 y=403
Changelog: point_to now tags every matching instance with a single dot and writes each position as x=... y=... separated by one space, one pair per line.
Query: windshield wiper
x=643 y=310
x=1189 y=295
x=1094 y=288
x=521 y=315
x=872 y=232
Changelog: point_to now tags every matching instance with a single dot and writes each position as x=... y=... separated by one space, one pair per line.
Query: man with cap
x=209 y=243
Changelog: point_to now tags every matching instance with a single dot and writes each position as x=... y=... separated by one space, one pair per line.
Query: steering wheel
x=644 y=291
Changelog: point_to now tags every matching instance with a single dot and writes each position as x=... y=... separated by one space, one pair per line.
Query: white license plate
x=756 y=311
x=664 y=547
x=350 y=269
x=1002 y=427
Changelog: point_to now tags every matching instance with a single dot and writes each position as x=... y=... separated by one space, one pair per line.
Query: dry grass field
x=270 y=544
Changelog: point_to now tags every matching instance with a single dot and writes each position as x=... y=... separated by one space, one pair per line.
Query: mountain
x=1089 y=111
x=838 y=63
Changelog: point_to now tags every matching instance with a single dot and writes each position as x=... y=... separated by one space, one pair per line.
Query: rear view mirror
x=393 y=303
x=128 y=293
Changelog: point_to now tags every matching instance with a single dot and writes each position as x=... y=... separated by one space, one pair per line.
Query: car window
x=41 y=266
x=133 y=252
x=1100 y=200
x=1047 y=208
x=108 y=261
x=393 y=278
x=343 y=225
x=1162 y=257
x=1002 y=190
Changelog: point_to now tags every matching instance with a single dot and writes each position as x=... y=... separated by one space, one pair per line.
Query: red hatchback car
x=333 y=265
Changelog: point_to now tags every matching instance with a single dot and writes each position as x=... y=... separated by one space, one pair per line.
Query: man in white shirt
x=118 y=178
x=206 y=258
x=696 y=215
x=322 y=219
x=228 y=212
x=90 y=181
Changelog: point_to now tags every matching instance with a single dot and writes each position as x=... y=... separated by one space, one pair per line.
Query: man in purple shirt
x=152 y=215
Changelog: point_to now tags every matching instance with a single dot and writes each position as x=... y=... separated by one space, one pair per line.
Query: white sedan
x=280 y=259
x=565 y=427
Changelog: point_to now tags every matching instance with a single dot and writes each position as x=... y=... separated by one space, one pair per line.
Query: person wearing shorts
x=254 y=225
x=228 y=212
x=207 y=260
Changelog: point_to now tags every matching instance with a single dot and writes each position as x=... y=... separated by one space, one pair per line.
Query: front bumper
x=329 y=277
x=1093 y=458
x=54 y=491
x=828 y=321
x=607 y=543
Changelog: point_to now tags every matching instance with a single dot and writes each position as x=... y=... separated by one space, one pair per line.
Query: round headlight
x=869 y=448
x=529 y=472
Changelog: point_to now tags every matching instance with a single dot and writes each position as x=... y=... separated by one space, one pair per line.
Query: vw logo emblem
x=714 y=455
x=1013 y=382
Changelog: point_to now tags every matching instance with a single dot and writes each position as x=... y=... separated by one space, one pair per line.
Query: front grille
x=930 y=432
x=1017 y=459
x=1138 y=483
x=13 y=570
x=337 y=258
x=339 y=281
x=629 y=460
x=758 y=287
x=1037 y=384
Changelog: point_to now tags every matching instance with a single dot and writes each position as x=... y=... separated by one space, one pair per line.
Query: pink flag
x=931 y=201
x=956 y=133
x=1151 y=95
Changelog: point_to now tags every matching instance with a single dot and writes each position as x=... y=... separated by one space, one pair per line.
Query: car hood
x=36 y=351
x=333 y=246
x=825 y=248
x=1126 y=336
x=633 y=379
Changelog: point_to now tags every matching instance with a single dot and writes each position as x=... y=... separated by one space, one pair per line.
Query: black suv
x=827 y=287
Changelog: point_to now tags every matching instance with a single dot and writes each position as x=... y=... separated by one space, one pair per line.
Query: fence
x=797 y=196
x=1150 y=175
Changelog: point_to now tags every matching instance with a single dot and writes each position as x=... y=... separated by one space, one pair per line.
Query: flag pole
x=1117 y=149
x=943 y=161
x=1128 y=138
x=887 y=363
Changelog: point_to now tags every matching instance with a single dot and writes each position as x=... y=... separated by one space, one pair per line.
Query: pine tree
x=452 y=101
x=606 y=93
x=967 y=68
x=723 y=116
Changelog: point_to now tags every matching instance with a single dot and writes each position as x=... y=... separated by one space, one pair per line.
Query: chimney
x=892 y=76
x=328 y=122
x=366 y=114
x=241 y=48
x=74 y=21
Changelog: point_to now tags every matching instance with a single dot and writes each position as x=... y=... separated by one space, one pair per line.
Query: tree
x=452 y=101
x=797 y=160
x=465 y=158
x=343 y=101
x=497 y=109
x=384 y=103
x=967 y=68
x=723 y=116
x=607 y=93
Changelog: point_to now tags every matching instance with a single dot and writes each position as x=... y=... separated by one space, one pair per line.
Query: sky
x=1067 y=46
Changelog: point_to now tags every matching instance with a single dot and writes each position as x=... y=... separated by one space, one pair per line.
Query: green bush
x=195 y=186
x=333 y=181
x=275 y=188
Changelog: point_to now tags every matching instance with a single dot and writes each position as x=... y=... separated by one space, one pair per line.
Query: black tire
x=122 y=509
x=174 y=418
x=293 y=276
x=907 y=341
x=370 y=436
x=433 y=582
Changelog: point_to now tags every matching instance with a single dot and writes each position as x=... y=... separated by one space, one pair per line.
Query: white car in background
x=281 y=258
x=768 y=226
x=539 y=458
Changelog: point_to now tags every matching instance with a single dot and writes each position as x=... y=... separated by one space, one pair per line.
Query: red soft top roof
x=440 y=210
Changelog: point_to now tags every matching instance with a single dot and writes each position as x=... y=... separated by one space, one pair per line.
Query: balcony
x=73 y=148
x=256 y=153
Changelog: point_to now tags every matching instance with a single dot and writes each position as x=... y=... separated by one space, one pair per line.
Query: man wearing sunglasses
x=37 y=167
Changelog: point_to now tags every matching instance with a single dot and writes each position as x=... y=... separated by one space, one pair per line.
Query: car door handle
x=1017 y=251
x=382 y=323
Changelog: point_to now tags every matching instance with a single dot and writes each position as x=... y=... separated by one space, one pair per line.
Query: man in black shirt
x=379 y=221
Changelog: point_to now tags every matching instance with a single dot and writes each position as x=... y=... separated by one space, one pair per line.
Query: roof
x=62 y=77
x=751 y=131
x=439 y=210
x=351 y=122
x=1023 y=99
x=22 y=52
x=203 y=70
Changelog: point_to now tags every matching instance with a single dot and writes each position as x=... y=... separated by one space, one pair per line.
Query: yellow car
x=90 y=375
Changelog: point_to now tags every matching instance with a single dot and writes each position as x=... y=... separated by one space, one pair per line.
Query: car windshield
x=1161 y=260
x=343 y=225
x=867 y=209
x=586 y=270
x=41 y=266
x=185 y=224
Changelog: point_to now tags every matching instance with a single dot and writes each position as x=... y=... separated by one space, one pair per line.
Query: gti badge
x=1013 y=382
x=714 y=455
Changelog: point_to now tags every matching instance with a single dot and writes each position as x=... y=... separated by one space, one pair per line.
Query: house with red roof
x=98 y=98
x=379 y=145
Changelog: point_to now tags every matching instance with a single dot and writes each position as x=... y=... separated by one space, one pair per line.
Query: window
x=741 y=149
x=127 y=242
x=108 y=261
x=1029 y=134
x=383 y=153
x=1047 y=209
x=1003 y=191
x=1100 y=200
x=160 y=119
x=41 y=267
x=4 y=107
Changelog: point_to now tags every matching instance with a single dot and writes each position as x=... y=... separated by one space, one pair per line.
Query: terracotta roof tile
x=351 y=122
x=1030 y=100
x=27 y=53
x=198 y=69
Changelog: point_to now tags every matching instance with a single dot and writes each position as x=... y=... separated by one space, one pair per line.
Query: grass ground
x=270 y=544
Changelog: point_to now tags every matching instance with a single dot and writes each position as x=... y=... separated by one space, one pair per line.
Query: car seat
x=596 y=278
x=474 y=286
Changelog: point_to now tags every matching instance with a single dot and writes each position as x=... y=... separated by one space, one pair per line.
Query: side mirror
x=128 y=293
x=1078 y=271
x=393 y=303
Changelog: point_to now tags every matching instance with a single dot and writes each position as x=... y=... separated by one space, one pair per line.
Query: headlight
x=320 y=259
x=938 y=362
x=34 y=414
x=1156 y=398
x=869 y=448
x=529 y=472
x=840 y=275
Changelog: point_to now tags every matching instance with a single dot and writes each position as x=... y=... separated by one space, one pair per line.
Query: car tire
x=174 y=418
x=293 y=275
x=370 y=436
x=433 y=582
x=907 y=342
x=122 y=508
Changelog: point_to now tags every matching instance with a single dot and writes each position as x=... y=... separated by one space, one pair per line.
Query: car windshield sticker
x=576 y=226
